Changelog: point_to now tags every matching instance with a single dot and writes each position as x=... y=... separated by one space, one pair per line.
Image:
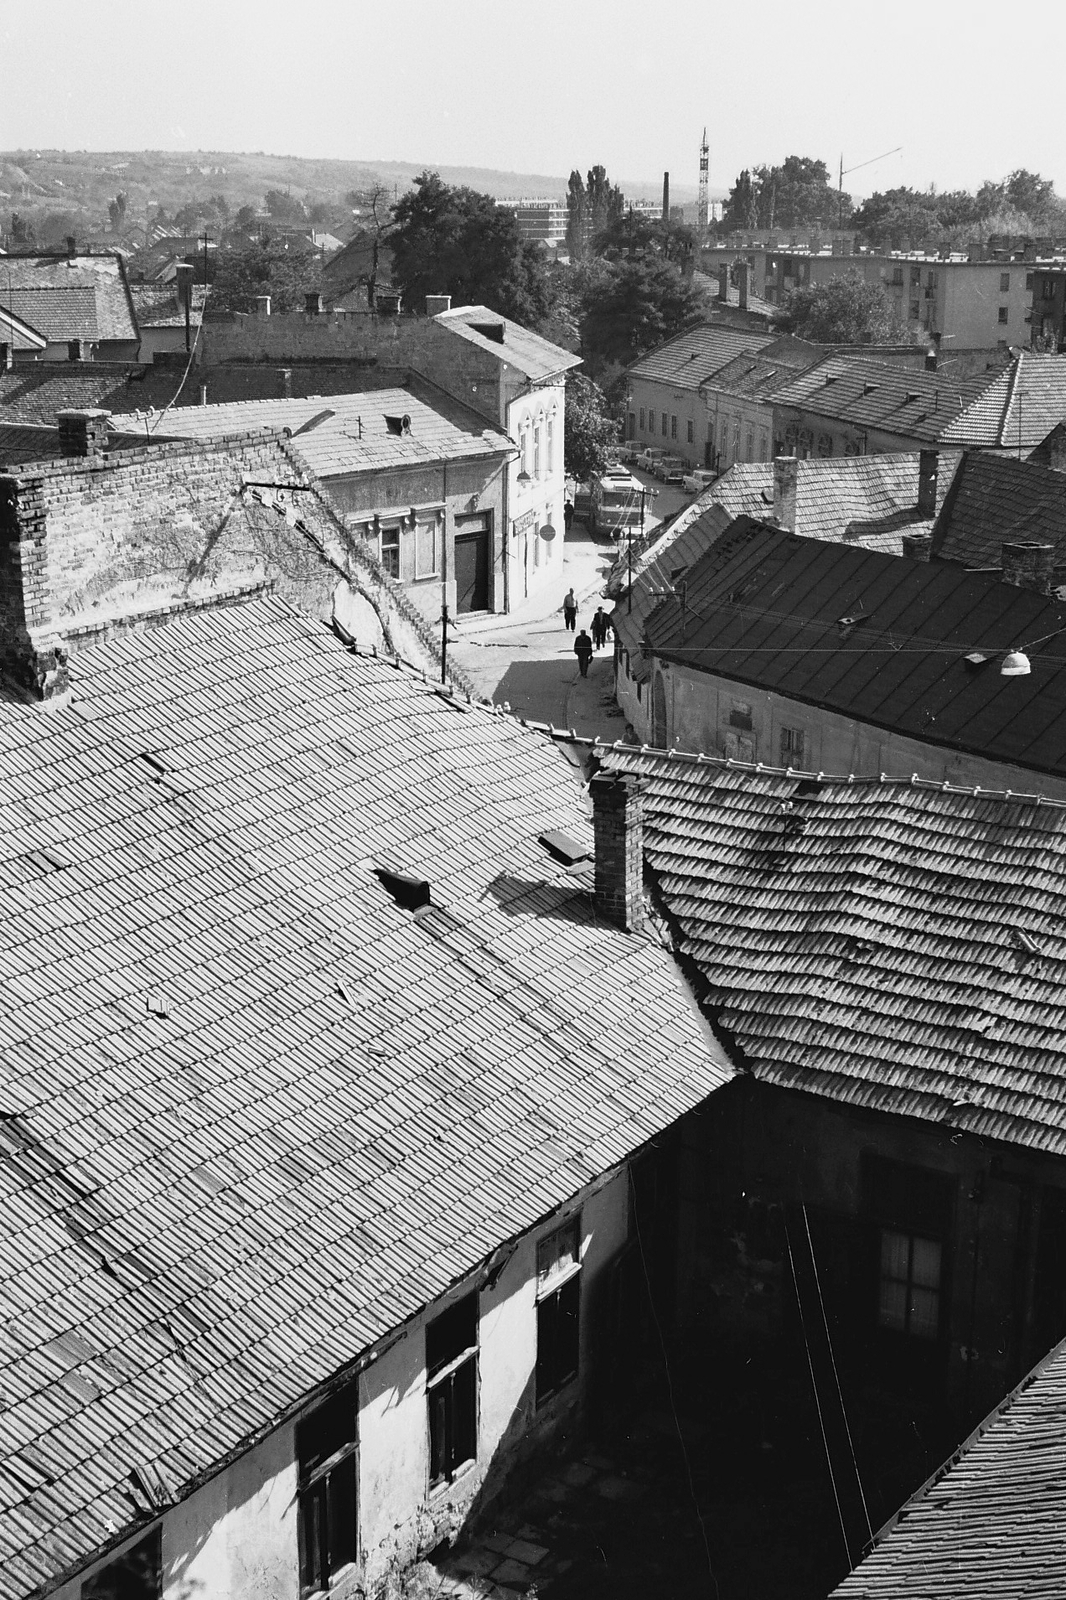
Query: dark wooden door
x=472 y=571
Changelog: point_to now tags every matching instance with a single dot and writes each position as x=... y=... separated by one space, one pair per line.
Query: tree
x=116 y=210
x=846 y=310
x=796 y=194
x=633 y=235
x=285 y=275
x=588 y=430
x=459 y=242
x=577 y=232
x=284 y=207
x=604 y=201
x=633 y=307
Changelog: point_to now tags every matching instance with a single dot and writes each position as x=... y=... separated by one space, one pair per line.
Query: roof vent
x=564 y=847
x=408 y=890
x=399 y=425
x=489 y=330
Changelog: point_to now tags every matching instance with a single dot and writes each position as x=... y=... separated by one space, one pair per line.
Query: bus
x=616 y=502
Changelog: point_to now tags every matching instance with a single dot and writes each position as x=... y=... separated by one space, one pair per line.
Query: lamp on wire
x=1015 y=665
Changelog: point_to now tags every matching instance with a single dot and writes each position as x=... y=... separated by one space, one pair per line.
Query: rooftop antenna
x=702 y=204
x=844 y=171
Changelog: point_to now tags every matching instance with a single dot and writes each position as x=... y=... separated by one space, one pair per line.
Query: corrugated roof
x=897 y=945
x=77 y=297
x=996 y=499
x=521 y=348
x=689 y=359
x=354 y=435
x=876 y=637
x=253 y=1114
x=991 y=1523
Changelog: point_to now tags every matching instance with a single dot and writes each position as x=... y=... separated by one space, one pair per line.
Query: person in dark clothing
x=600 y=625
x=568 y=514
x=570 y=609
x=583 y=651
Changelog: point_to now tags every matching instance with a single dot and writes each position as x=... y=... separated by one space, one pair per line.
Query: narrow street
x=526 y=659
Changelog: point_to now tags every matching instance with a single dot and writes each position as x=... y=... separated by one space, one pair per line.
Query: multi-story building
x=541 y=220
x=1048 y=325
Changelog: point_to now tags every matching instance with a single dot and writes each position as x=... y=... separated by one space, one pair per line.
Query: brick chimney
x=7 y=357
x=1055 y=444
x=1029 y=566
x=723 y=282
x=786 y=486
x=436 y=303
x=314 y=305
x=72 y=246
x=83 y=433
x=285 y=383
x=262 y=305
x=387 y=302
x=928 y=465
x=618 y=824
x=918 y=546
x=183 y=276
x=932 y=360
x=743 y=283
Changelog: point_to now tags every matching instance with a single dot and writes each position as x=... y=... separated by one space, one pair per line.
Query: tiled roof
x=876 y=637
x=913 y=404
x=897 y=945
x=17 y=333
x=254 y=1114
x=711 y=286
x=79 y=297
x=41 y=389
x=997 y=498
x=991 y=1523
x=354 y=435
x=157 y=305
x=871 y=501
x=24 y=442
x=522 y=349
x=689 y=359
x=1019 y=409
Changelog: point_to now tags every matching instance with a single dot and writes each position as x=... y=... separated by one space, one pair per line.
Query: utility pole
x=206 y=241
x=444 y=600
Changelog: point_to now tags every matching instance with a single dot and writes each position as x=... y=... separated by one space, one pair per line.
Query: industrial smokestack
x=666 y=197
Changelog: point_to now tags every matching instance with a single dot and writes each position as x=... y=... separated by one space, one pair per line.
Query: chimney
x=76 y=349
x=1055 y=444
x=83 y=433
x=666 y=197
x=1029 y=566
x=7 y=357
x=285 y=383
x=262 y=305
x=72 y=246
x=932 y=359
x=203 y=394
x=436 y=303
x=313 y=303
x=618 y=824
x=183 y=275
x=928 y=463
x=786 y=484
x=723 y=282
x=387 y=302
x=743 y=283
x=918 y=546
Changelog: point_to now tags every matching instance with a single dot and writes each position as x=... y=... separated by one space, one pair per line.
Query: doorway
x=472 y=564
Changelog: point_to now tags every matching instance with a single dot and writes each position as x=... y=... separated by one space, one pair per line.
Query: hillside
x=78 y=184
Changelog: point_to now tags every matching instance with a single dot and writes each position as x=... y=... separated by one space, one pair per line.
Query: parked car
x=697 y=481
x=670 y=469
x=648 y=457
x=629 y=452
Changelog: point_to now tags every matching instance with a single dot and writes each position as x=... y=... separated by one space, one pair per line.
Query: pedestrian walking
x=568 y=514
x=600 y=625
x=570 y=609
x=583 y=651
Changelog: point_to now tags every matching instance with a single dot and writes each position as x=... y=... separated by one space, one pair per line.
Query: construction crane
x=702 y=206
x=844 y=172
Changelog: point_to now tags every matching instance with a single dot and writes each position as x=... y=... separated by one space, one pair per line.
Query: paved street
x=526 y=659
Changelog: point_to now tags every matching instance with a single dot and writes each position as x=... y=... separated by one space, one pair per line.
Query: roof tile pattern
x=997 y=498
x=867 y=393
x=689 y=359
x=991 y=1524
x=896 y=945
x=520 y=348
x=253 y=1114
x=876 y=637
x=71 y=297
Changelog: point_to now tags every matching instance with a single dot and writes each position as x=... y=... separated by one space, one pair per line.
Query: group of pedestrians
x=583 y=644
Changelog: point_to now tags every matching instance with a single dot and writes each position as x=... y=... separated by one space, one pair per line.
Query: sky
x=548 y=86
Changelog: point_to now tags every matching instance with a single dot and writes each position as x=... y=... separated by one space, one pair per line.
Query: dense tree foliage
x=796 y=194
x=285 y=275
x=447 y=240
x=846 y=310
x=284 y=207
x=633 y=306
x=1023 y=203
x=593 y=205
x=589 y=429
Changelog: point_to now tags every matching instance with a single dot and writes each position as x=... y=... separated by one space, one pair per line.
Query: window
x=536 y=449
x=792 y=747
x=651 y=421
x=740 y=715
x=664 y=424
x=1004 y=283
x=451 y=1388
x=897 y=276
x=1049 y=288
x=916 y=310
x=326 y=1445
x=390 y=550
x=909 y=1289
x=137 y=1575
x=642 y=419
x=916 y=277
x=691 y=433
x=550 y=436
x=426 y=548
x=558 y=1309
x=764 y=445
x=673 y=427
x=749 y=448
x=632 y=423
x=1003 y=313
x=1029 y=281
